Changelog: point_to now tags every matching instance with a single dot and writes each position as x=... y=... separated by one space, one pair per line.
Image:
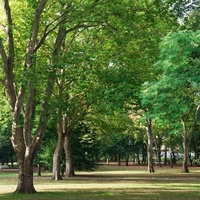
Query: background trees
x=175 y=94
x=6 y=151
x=105 y=74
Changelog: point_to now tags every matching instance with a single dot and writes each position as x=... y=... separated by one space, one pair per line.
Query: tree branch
x=3 y=27
x=196 y=117
x=28 y=114
x=29 y=62
x=9 y=34
x=3 y=54
x=46 y=33
x=8 y=60
x=49 y=87
x=34 y=35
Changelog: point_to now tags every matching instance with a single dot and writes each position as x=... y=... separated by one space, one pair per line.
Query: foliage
x=44 y=155
x=114 y=132
x=6 y=149
x=177 y=87
x=173 y=98
x=84 y=147
x=192 y=22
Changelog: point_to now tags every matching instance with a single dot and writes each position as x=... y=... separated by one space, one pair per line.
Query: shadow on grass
x=137 y=194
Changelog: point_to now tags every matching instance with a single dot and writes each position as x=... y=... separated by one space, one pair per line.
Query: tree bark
x=57 y=153
x=144 y=154
x=171 y=158
x=25 y=177
x=159 y=155
x=138 y=158
x=187 y=134
x=127 y=159
x=25 y=157
x=119 y=159
x=149 y=145
x=68 y=154
x=196 y=146
x=39 y=169
x=186 y=142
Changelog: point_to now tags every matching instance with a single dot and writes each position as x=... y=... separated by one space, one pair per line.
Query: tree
x=104 y=36
x=175 y=94
x=30 y=114
x=133 y=49
x=76 y=90
x=142 y=120
x=85 y=156
x=192 y=21
x=115 y=135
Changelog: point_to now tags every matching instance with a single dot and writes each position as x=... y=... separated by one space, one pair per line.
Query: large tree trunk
x=25 y=179
x=68 y=155
x=57 y=153
x=149 y=145
x=56 y=175
x=25 y=159
x=25 y=155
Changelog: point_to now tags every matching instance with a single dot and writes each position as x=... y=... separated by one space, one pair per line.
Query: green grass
x=111 y=182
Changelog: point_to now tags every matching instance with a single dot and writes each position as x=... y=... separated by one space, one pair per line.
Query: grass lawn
x=111 y=182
